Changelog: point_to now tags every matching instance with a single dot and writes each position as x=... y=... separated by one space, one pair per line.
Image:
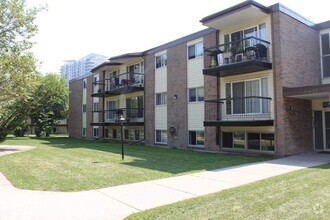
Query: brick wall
x=177 y=112
x=149 y=100
x=296 y=63
x=210 y=93
x=75 y=105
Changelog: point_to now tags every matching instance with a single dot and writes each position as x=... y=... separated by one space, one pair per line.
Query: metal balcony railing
x=125 y=79
x=130 y=114
x=250 y=48
x=242 y=108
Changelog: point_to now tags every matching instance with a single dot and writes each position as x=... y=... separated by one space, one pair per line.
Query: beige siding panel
x=97 y=86
x=195 y=72
x=161 y=117
x=317 y=104
x=326 y=80
x=95 y=117
x=194 y=41
x=247 y=25
x=160 y=52
x=161 y=79
x=244 y=77
x=266 y=129
x=195 y=116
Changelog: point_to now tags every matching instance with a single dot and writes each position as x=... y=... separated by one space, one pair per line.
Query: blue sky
x=71 y=29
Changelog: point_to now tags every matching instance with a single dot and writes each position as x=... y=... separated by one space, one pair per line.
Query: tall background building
x=75 y=68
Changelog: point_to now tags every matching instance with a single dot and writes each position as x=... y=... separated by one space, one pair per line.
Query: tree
x=49 y=103
x=18 y=71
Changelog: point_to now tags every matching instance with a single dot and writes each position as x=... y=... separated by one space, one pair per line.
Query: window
x=196 y=138
x=239 y=140
x=111 y=109
x=161 y=98
x=196 y=94
x=195 y=50
x=134 y=107
x=161 y=136
x=84 y=84
x=244 y=97
x=227 y=139
x=95 y=132
x=96 y=106
x=84 y=108
x=161 y=61
x=114 y=133
x=253 y=141
x=325 y=41
x=107 y=132
x=250 y=141
x=83 y=132
x=126 y=134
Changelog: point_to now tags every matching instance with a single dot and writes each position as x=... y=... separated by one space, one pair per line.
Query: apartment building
x=75 y=68
x=257 y=80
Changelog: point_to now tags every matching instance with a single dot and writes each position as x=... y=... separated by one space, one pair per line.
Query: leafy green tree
x=18 y=73
x=50 y=103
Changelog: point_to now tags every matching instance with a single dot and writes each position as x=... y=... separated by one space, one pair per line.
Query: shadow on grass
x=173 y=161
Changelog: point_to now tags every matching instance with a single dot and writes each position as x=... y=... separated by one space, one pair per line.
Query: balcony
x=133 y=117
x=243 y=111
x=122 y=84
x=238 y=57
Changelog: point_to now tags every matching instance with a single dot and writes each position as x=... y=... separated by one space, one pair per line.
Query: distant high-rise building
x=75 y=68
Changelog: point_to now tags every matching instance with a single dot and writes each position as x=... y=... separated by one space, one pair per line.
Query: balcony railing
x=249 y=52
x=123 y=80
x=238 y=109
x=130 y=114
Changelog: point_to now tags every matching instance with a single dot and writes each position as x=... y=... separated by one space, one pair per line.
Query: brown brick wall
x=296 y=63
x=210 y=93
x=75 y=108
x=177 y=110
x=149 y=100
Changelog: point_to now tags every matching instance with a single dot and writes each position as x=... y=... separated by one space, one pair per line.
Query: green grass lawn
x=303 y=194
x=65 y=164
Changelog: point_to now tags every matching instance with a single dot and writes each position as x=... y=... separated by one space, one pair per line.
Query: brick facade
x=177 y=110
x=75 y=105
x=296 y=62
x=149 y=100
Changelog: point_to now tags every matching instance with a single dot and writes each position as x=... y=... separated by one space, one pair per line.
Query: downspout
x=217 y=130
x=274 y=79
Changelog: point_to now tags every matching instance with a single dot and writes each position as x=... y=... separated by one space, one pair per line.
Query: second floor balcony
x=132 y=116
x=238 y=57
x=120 y=84
x=240 y=111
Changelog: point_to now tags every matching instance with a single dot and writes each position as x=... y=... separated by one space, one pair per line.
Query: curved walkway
x=120 y=201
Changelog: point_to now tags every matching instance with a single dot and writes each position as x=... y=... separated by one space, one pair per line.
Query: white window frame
x=163 y=98
x=197 y=96
x=163 y=60
x=322 y=56
x=96 y=106
x=162 y=141
x=84 y=108
x=196 y=52
x=196 y=145
x=97 y=134
x=260 y=94
x=84 y=83
x=83 y=132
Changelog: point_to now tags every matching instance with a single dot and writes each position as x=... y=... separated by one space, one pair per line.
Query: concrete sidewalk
x=120 y=201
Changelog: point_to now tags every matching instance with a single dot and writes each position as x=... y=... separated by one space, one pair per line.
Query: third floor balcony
x=120 y=84
x=247 y=55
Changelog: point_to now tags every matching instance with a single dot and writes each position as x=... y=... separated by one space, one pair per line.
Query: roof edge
x=235 y=8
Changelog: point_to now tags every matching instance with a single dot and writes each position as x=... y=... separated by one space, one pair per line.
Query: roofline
x=80 y=77
x=180 y=40
x=128 y=55
x=322 y=26
x=105 y=64
x=279 y=7
x=234 y=9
